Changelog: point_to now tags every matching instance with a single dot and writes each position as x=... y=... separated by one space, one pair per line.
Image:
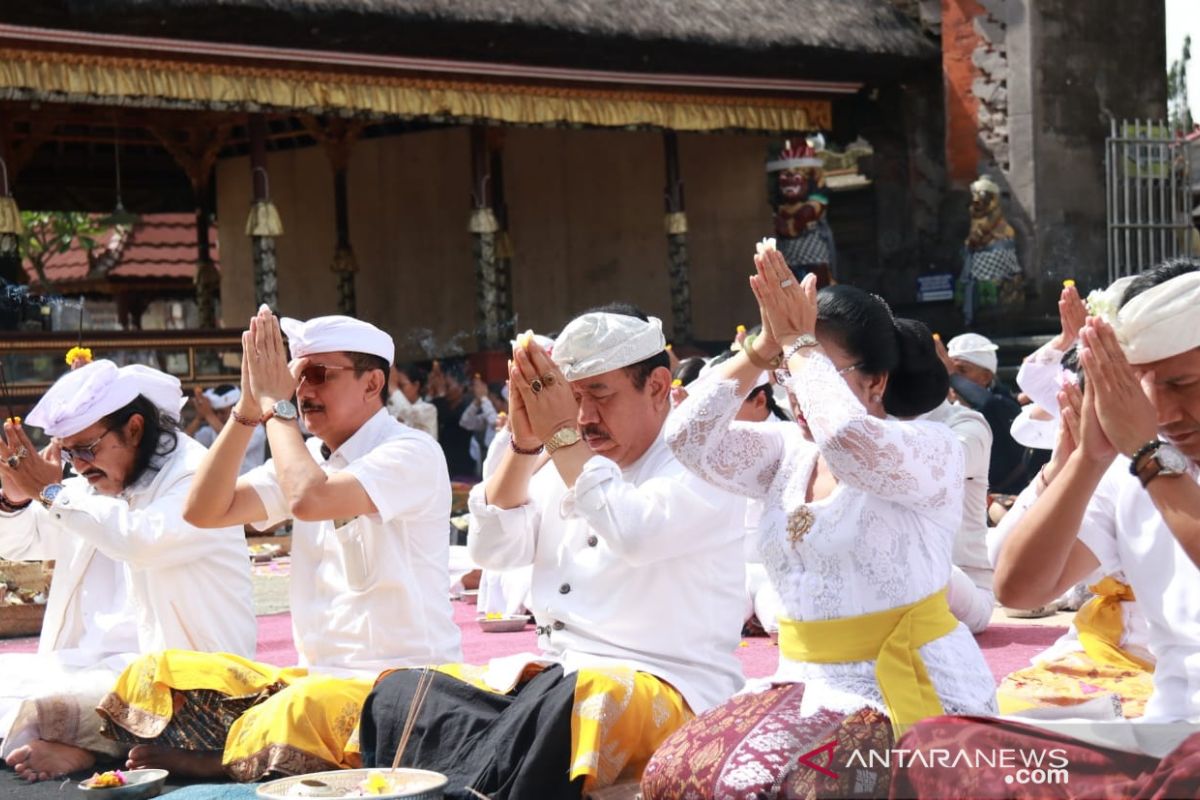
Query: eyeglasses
x=85 y=451
x=782 y=375
x=316 y=374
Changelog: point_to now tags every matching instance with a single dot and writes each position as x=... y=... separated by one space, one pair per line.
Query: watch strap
x=1139 y=458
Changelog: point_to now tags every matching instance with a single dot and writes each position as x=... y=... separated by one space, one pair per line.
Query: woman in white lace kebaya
x=862 y=504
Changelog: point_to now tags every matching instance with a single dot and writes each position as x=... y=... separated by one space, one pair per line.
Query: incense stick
x=5 y=392
x=414 y=710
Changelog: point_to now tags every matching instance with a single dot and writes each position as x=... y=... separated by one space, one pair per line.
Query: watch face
x=285 y=409
x=51 y=492
x=1171 y=460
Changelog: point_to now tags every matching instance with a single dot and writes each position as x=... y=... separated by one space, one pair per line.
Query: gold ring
x=535 y=385
x=548 y=379
x=14 y=461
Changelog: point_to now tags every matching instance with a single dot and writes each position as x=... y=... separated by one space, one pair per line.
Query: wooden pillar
x=676 y=229
x=490 y=301
x=504 y=250
x=196 y=149
x=338 y=137
x=208 y=279
x=262 y=245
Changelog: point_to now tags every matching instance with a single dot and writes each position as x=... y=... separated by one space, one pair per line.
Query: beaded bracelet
x=522 y=451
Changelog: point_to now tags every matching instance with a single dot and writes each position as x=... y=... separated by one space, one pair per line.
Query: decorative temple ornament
x=991 y=273
x=799 y=198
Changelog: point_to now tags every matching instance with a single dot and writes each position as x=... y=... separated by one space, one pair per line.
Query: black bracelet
x=1143 y=451
x=522 y=451
x=10 y=507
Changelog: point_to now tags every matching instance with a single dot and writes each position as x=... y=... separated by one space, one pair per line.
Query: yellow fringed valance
x=235 y=85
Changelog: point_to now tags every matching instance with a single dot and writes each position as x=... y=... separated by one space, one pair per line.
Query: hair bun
x=919 y=383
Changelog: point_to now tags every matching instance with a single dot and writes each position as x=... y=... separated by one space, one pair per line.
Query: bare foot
x=42 y=760
x=190 y=763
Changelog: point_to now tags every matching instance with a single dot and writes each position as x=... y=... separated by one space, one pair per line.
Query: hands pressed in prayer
x=787 y=307
x=24 y=472
x=271 y=380
x=247 y=405
x=1122 y=401
x=1072 y=316
x=479 y=389
x=547 y=401
x=1070 y=407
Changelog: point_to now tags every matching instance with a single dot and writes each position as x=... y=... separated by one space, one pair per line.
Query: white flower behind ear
x=1101 y=303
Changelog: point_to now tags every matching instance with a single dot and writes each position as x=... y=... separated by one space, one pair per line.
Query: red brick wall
x=959 y=42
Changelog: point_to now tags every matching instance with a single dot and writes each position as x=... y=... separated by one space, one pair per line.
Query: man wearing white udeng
x=132 y=575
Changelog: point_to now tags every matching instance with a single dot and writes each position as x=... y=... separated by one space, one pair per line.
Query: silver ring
x=786 y=283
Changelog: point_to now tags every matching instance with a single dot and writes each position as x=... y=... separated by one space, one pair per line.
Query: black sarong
x=508 y=747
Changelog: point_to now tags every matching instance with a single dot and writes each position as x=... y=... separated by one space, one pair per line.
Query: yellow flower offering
x=523 y=339
x=741 y=328
x=106 y=780
x=677 y=383
x=1068 y=283
x=376 y=784
x=82 y=353
x=494 y=615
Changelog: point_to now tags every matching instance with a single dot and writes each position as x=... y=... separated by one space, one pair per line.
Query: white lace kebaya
x=881 y=540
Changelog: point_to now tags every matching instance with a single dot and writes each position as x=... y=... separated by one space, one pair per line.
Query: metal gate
x=1148 y=196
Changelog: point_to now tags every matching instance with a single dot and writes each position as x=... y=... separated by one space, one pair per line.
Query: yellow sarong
x=620 y=717
x=309 y=723
x=889 y=638
x=1103 y=666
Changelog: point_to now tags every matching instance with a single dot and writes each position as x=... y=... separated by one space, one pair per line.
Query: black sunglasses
x=316 y=374
x=85 y=451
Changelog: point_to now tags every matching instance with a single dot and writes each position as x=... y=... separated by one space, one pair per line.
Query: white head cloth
x=84 y=396
x=975 y=349
x=336 y=334
x=600 y=342
x=1161 y=322
x=221 y=401
x=1036 y=433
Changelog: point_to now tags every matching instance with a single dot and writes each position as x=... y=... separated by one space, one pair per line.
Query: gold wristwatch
x=563 y=437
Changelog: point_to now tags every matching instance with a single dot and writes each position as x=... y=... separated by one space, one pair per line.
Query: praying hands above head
x=270 y=377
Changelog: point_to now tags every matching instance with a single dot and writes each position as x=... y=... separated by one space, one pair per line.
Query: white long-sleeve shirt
x=640 y=567
x=970 y=552
x=882 y=539
x=189 y=587
x=373 y=592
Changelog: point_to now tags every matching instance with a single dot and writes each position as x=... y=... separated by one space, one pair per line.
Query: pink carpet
x=1005 y=647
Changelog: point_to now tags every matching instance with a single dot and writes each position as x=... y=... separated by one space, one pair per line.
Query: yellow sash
x=891 y=639
x=1101 y=624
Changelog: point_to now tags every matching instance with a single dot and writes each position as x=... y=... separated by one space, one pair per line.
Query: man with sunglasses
x=370 y=502
x=132 y=576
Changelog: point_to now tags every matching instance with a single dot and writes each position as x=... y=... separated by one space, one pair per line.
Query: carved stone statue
x=799 y=198
x=991 y=273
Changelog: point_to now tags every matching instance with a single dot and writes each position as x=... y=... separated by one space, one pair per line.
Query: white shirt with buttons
x=639 y=567
x=372 y=592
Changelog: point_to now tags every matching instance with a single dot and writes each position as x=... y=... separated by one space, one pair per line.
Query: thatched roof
x=760 y=36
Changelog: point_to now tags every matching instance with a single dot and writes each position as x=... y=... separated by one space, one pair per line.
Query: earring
x=875 y=398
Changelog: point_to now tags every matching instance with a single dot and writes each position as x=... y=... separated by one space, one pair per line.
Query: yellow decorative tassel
x=675 y=223
x=264 y=220
x=483 y=221
x=10 y=217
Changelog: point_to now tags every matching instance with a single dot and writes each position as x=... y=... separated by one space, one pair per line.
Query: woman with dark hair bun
x=862 y=504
